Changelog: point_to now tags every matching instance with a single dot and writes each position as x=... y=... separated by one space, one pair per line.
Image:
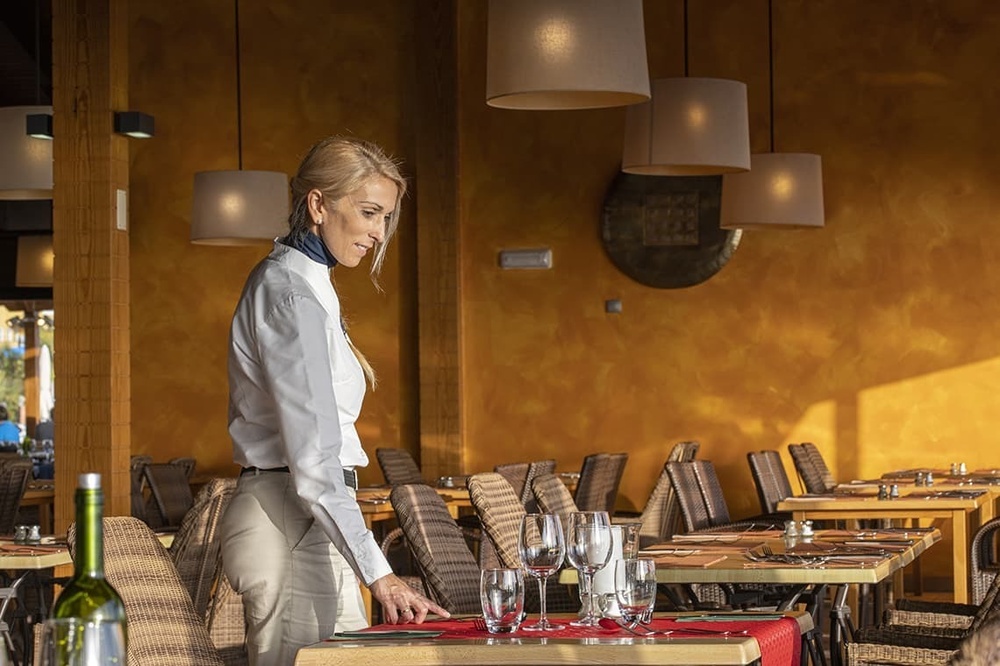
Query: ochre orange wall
x=871 y=337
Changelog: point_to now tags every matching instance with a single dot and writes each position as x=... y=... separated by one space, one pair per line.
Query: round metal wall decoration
x=663 y=231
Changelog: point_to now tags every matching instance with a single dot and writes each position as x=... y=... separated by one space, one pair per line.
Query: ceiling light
x=135 y=124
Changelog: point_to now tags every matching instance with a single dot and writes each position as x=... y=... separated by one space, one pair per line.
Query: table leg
x=960 y=556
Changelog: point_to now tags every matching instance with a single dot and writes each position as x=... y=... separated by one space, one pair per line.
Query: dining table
x=791 y=567
x=696 y=640
x=41 y=493
x=963 y=510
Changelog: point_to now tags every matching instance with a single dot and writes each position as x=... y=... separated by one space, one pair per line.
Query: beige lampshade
x=565 y=54
x=780 y=190
x=690 y=127
x=35 y=259
x=26 y=165
x=239 y=207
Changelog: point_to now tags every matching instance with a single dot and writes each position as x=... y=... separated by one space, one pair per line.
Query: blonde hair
x=337 y=166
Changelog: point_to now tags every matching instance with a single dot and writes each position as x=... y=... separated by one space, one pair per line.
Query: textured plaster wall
x=309 y=69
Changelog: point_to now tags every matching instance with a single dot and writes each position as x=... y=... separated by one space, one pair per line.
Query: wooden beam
x=91 y=274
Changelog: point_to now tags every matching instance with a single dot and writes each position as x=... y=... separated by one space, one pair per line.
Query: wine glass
x=588 y=549
x=75 y=642
x=542 y=548
x=635 y=588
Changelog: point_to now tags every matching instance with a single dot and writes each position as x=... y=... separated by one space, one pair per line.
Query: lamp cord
x=770 y=64
x=38 y=52
x=685 y=39
x=239 y=92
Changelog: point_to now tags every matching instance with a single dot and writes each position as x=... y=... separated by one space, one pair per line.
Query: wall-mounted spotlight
x=134 y=123
x=39 y=125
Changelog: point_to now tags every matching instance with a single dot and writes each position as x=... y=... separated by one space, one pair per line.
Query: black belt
x=350 y=476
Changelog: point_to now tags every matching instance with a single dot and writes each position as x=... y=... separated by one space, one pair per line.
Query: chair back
x=805 y=467
x=711 y=490
x=501 y=512
x=684 y=481
x=187 y=464
x=195 y=548
x=516 y=475
x=553 y=496
x=447 y=566
x=819 y=464
x=661 y=513
x=687 y=450
x=770 y=478
x=14 y=476
x=169 y=494
x=983 y=560
x=163 y=627
x=398 y=466
x=600 y=475
x=535 y=469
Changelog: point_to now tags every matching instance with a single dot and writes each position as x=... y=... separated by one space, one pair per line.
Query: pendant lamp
x=690 y=127
x=565 y=54
x=781 y=189
x=239 y=207
x=26 y=167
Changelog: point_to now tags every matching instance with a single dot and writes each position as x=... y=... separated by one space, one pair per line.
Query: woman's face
x=350 y=226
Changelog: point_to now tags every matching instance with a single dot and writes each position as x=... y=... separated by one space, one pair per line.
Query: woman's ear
x=314 y=199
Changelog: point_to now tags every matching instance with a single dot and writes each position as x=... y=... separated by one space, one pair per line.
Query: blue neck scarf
x=313 y=247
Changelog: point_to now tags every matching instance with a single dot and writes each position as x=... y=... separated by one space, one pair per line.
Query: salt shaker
x=883 y=491
x=954 y=469
x=929 y=479
x=920 y=479
x=34 y=534
x=806 y=528
x=20 y=533
x=962 y=469
x=791 y=528
x=893 y=491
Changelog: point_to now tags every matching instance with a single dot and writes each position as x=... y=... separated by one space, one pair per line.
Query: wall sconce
x=26 y=167
x=39 y=125
x=135 y=124
x=35 y=259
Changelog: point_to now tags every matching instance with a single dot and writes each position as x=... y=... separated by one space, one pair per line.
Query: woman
x=294 y=540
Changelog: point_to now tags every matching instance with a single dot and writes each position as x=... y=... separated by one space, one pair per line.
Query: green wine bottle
x=88 y=595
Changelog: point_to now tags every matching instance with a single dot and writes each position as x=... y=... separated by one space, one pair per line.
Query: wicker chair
x=597 y=489
x=185 y=463
x=771 y=480
x=553 y=496
x=810 y=477
x=819 y=464
x=446 y=565
x=501 y=511
x=169 y=495
x=926 y=632
x=688 y=450
x=535 y=470
x=227 y=626
x=516 y=475
x=661 y=514
x=398 y=466
x=195 y=548
x=14 y=476
x=137 y=466
x=684 y=481
x=163 y=627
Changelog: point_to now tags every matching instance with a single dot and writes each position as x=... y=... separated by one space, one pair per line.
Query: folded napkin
x=383 y=634
x=697 y=561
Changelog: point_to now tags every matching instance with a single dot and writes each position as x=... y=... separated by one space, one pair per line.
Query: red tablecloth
x=780 y=640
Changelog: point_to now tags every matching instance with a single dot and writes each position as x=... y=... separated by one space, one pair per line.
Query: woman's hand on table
x=401 y=604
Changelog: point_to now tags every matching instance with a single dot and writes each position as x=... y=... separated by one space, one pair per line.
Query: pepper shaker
x=883 y=491
x=893 y=491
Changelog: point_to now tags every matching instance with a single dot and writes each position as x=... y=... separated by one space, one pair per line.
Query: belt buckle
x=351 y=478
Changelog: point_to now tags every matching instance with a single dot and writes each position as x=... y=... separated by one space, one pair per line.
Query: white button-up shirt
x=295 y=392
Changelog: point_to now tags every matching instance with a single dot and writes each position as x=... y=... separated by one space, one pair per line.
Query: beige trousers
x=297 y=588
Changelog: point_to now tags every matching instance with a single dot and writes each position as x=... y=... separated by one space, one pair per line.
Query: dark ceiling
x=25 y=80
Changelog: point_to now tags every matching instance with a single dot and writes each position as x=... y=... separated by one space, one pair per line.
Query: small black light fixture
x=134 y=123
x=39 y=125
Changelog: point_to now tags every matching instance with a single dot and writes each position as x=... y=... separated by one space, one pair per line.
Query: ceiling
x=25 y=80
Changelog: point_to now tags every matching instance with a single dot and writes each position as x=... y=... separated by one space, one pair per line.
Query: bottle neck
x=89 y=533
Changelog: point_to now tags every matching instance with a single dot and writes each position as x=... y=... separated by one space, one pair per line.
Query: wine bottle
x=88 y=595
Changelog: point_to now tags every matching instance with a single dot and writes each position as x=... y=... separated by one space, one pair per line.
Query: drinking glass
x=75 y=642
x=542 y=548
x=501 y=592
x=635 y=588
x=630 y=540
x=588 y=549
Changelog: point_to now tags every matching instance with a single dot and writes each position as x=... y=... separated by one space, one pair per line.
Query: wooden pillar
x=438 y=276
x=31 y=383
x=91 y=274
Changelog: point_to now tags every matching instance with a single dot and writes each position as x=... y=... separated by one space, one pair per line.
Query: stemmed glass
x=542 y=548
x=588 y=549
x=635 y=588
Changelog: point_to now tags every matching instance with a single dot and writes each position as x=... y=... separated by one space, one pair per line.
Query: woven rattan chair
x=809 y=477
x=770 y=478
x=684 y=481
x=169 y=495
x=516 y=475
x=446 y=565
x=688 y=450
x=186 y=463
x=661 y=513
x=195 y=548
x=137 y=467
x=163 y=627
x=227 y=626
x=535 y=470
x=553 y=496
x=501 y=511
x=819 y=464
x=597 y=489
x=398 y=466
x=14 y=476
